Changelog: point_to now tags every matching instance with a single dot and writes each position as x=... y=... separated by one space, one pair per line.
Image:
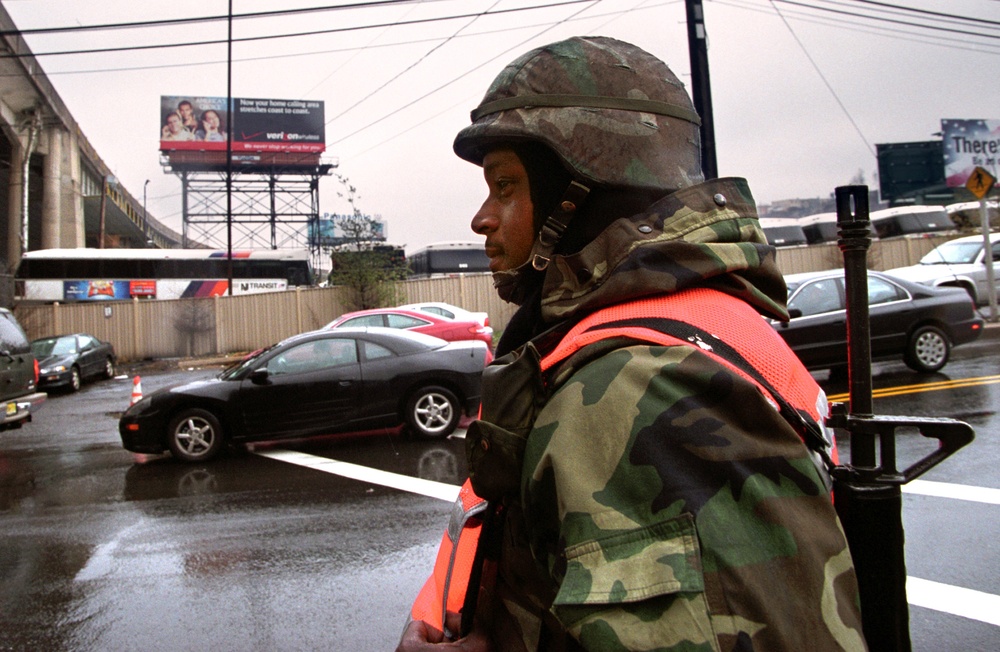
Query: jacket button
x=720 y=199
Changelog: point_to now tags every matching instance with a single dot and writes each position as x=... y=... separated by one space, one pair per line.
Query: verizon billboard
x=258 y=125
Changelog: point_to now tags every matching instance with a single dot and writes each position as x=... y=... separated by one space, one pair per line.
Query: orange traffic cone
x=136 y=390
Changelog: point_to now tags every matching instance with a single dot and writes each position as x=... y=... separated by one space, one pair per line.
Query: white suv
x=957 y=263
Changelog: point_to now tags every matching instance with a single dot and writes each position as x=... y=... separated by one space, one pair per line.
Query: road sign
x=980 y=182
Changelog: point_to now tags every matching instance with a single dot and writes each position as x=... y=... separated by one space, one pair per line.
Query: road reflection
x=238 y=472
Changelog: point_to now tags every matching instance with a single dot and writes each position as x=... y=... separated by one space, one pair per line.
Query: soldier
x=648 y=485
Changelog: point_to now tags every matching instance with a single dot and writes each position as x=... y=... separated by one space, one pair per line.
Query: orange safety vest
x=730 y=321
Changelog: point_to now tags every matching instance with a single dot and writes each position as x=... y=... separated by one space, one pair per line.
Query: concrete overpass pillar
x=15 y=195
x=52 y=190
x=73 y=236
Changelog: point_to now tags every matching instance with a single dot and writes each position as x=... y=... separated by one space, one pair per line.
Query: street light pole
x=701 y=87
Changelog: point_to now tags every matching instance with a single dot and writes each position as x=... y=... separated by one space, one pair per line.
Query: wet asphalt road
x=103 y=550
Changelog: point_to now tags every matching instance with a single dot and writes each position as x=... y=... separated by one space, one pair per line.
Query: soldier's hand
x=419 y=636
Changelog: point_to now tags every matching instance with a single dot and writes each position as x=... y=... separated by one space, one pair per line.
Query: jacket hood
x=705 y=235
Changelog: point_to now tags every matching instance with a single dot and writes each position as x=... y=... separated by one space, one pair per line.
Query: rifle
x=867 y=491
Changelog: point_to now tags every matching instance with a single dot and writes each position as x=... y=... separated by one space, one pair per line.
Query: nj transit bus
x=69 y=275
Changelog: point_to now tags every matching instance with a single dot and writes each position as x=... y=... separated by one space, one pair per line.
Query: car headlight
x=59 y=368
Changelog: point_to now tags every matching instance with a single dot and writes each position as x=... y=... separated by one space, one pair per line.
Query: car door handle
x=345 y=383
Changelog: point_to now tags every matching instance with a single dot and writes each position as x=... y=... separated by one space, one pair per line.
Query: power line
x=886 y=19
x=205 y=19
x=823 y=77
x=269 y=37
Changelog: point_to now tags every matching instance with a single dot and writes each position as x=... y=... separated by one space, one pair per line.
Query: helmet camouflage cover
x=615 y=114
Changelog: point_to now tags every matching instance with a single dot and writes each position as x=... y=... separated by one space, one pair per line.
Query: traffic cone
x=136 y=390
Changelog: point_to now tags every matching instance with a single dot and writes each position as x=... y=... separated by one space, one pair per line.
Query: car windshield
x=53 y=346
x=953 y=253
x=233 y=370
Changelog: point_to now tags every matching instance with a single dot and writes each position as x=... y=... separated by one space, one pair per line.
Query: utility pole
x=701 y=88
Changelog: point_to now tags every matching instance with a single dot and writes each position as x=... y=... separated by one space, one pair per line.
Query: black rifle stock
x=867 y=491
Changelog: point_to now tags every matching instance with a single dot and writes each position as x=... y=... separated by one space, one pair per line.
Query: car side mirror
x=259 y=376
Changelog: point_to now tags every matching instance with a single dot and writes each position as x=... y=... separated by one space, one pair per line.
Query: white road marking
x=949 y=490
x=954 y=600
x=439 y=490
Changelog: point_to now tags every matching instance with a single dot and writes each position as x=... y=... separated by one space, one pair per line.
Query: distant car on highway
x=317 y=383
x=956 y=263
x=452 y=330
x=65 y=361
x=914 y=322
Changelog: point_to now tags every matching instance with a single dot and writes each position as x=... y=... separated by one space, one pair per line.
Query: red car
x=452 y=330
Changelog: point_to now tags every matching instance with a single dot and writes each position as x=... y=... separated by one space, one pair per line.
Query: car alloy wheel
x=74 y=379
x=194 y=435
x=927 y=350
x=109 y=368
x=432 y=412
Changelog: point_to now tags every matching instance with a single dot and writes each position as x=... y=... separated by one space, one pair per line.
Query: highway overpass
x=55 y=191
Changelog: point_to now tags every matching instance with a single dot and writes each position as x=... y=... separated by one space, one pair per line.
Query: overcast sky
x=802 y=91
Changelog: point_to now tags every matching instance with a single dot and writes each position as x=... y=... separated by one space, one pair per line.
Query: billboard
x=969 y=144
x=258 y=125
x=909 y=172
x=329 y=229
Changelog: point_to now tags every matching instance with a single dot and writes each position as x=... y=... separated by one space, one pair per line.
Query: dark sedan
x=67 y=360
x=918 y=323
x=317 y=383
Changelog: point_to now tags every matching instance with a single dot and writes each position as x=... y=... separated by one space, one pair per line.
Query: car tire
x=432 y=412
x=109 y=368
x=928 y=349
x=195 y=435
x=75 y=380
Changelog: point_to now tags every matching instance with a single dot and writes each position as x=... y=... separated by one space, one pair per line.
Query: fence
x=223 y=325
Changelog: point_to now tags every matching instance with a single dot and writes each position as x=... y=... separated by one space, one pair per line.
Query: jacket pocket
x=495 y=456
x=659 y=559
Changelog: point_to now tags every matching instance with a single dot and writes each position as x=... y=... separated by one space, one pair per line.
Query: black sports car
x=67 y=360
x=316 y=383
x=916 y=322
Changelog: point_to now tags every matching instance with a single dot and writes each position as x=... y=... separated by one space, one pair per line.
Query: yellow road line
x=924 y=387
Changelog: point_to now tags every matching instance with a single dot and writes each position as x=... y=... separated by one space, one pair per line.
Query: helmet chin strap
x=512 y=285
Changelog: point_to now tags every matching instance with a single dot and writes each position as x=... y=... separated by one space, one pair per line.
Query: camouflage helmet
x=615 y=114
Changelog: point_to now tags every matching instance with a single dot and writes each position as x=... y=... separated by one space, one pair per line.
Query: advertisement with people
x=258 y=125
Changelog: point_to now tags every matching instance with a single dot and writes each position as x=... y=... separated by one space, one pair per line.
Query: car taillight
x=36 y=371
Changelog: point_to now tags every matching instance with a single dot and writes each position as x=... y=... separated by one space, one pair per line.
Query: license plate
x=11 y=409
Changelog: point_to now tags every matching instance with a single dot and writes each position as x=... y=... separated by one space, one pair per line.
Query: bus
x=783 y=231
x=821 y=227
x=70 y=275
x=447 y=258
x=911 y=220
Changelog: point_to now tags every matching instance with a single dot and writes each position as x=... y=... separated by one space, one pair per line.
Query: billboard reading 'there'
x=258 y=125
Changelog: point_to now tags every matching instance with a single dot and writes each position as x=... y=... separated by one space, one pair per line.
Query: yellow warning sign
x=980 y=182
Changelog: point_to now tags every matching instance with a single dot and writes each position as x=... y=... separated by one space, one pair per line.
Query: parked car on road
x=918 y=323
x=67 y=360
x=447 y=310
x=956 y=263
x=19 y=373
x=452 y=330
x=317 y=383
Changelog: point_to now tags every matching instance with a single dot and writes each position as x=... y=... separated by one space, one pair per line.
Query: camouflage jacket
x=662 y=503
